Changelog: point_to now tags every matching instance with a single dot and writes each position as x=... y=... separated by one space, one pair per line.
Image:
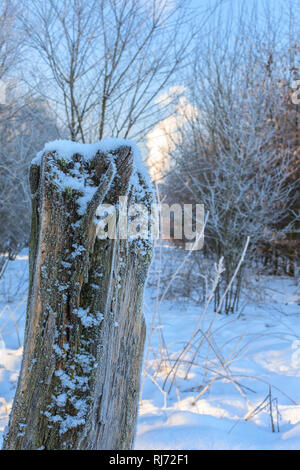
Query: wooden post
x=79 y=382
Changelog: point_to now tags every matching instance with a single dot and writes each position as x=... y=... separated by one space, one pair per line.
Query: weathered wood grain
x=79 y=382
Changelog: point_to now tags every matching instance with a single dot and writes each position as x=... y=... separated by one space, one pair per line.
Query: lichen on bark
x=84 y=337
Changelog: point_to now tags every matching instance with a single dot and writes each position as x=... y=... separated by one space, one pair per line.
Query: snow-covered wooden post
x=79 y=382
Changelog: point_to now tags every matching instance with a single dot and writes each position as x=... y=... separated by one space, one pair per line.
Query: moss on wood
x=85 y=331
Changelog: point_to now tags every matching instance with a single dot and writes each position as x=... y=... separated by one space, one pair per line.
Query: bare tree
x=10 y=48
x=104 y=63
x=9 y=38
x=228 y=155
x=27 y=124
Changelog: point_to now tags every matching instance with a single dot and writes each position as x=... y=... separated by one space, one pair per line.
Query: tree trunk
x=79 y=382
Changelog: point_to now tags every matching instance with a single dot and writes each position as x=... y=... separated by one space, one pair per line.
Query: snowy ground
x=256 y=354
x=13 y=298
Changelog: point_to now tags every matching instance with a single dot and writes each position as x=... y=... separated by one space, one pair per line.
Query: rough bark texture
x=79 y=381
